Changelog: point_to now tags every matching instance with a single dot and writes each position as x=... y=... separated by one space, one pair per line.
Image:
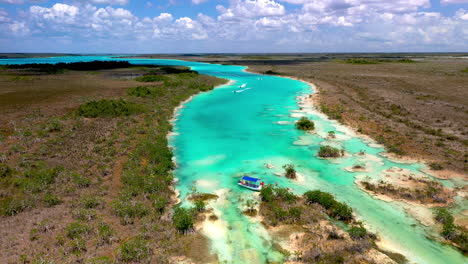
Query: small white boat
x=243 y=85
x=251 y=183
x=240 y=91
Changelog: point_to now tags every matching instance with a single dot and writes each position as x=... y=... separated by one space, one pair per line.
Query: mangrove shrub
x=329 y=152
x=305 y=124
x=109 y=108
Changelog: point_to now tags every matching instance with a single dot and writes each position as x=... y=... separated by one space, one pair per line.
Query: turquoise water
x=222 y=135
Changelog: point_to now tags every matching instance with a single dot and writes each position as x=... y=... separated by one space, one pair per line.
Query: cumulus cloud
x=352 y=25
x=239 y=9
x=61 y=13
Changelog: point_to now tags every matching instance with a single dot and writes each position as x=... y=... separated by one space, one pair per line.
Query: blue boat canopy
x=250 y=179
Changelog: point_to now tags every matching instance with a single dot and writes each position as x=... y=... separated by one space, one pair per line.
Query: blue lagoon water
x=220 y=136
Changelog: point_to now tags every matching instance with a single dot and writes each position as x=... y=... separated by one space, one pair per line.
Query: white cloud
x=197 y=2
x=19 y=28
x=454 y=1
x=4 y=17
x=61 y=13
x=107 y=2
x=347 y=25
x=239 y=9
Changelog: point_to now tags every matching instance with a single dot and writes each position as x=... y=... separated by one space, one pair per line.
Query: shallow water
x=222 y=135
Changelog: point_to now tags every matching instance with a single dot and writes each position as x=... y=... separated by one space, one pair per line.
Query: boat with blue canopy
x=251 y=183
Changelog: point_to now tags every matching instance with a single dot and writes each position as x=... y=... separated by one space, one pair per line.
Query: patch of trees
x=109 y=108
x=330 y=152
x=334 y=208
x=75 y=66
x=450 y=231
x=290 y=171
x=305 y=124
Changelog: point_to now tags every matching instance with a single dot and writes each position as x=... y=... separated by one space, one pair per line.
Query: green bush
x=37 y=179
x=270 y=194
x=182 y=219
x=84 y=214
x=76 y=230
x=80 y=180
x=335 y=209
x=305 y=124
x=295 y=213
x=105 y=233
x=130 y=209
x=140 y=91
x=51 y=200
x=90 y=202
x=12 y=205
x=267 y=194
x=199 y=206
x=134 y=250
x=329 y=152
x=152 y=78
x=77 y=246
x=435 y=166
x=290 y=172
x=357 y=232
x=54 y=125
x=109 y=108
x=5 y=170
x=443 y=216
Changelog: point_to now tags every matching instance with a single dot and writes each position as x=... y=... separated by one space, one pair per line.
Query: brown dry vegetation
x=68 y=194
x=415 y=109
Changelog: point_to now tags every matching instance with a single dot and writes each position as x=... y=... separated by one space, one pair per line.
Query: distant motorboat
x=243 y=85
x=240 y=91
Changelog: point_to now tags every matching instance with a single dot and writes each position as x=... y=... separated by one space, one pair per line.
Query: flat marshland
x=85 y=166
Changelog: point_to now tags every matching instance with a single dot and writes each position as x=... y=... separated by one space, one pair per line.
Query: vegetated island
x=85 y=165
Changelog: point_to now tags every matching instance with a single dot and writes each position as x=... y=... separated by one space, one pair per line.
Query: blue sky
x=187 y=26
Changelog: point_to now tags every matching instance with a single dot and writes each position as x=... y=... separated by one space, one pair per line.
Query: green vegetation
x=182 y=219
x=129 y=210
x=290 y=171
x=330 y=152
x=277 y=205
x=357 y=232
x=465 y=70
x=76 y=66
x=5 y=170
x=360 y=61
x=271 y=72
x=109 y=108
x=305 y=124
x=450 y=231
x=76 y=230
x=151 y=78
x=105 y=233
x=432 y=192
x=134 y=250
x=335 y=209
x=435 y=166
x=51 y=200
x=334 y=112
x=363 y=61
